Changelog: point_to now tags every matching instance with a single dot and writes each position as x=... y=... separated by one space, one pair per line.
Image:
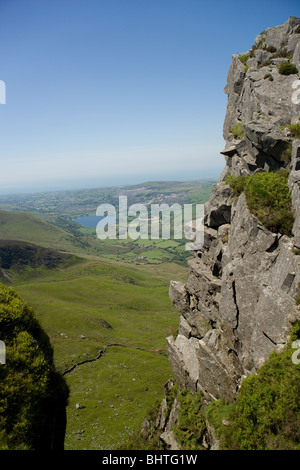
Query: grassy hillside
x=107 y=322
x=19 y=256
x=120 y=315
x=25 y=227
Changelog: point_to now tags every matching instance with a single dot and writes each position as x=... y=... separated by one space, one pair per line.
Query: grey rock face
x=262 y=100
x=294 y=183
x=239 y=299
x=218 y=208
x=266 y=140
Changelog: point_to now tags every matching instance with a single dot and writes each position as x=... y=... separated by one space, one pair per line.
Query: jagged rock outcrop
x=238 y=303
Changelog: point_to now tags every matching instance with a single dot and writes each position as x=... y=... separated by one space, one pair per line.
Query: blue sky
x=103 y=92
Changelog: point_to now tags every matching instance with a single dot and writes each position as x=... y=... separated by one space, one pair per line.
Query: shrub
x=268 y=198
x=287 y=68
x=191 y=426
x=266 y=413
x=237 y=131
x=268 y=405
x=294 y=130
x=31 y=391
x=271 y=49
x=244 y=58
x=216 y=412
x=237 y=183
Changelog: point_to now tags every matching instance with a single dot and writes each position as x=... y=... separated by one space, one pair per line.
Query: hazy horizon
x=98 y=183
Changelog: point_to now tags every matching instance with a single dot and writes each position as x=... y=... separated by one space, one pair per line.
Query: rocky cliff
x=238 y=303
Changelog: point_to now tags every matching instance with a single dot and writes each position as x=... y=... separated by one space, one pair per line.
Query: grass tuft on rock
x=268 y=198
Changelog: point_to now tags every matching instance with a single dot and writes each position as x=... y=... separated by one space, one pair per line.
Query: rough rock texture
x=238 y=303
x=294 y=183
x=260 y=99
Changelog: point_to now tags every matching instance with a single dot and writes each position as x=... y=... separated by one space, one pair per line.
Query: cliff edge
x=238 y=304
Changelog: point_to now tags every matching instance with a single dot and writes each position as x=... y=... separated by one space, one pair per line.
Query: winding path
x=101 y=352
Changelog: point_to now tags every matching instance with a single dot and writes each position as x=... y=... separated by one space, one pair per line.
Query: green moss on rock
x=268 y=198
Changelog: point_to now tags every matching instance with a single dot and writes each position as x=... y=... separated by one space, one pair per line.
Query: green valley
x=122 y=314
x=106 y=309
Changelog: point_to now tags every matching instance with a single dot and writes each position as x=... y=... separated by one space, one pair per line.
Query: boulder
x=265 y=139
x=218 y=209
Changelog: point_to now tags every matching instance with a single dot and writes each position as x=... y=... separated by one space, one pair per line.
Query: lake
x=91 y=221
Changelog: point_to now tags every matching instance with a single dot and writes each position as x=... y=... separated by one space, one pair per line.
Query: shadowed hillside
x=33 y=396
x=18 y=255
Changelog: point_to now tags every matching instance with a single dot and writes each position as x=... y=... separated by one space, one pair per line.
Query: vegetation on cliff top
x=268 y=198
x=32 y=394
